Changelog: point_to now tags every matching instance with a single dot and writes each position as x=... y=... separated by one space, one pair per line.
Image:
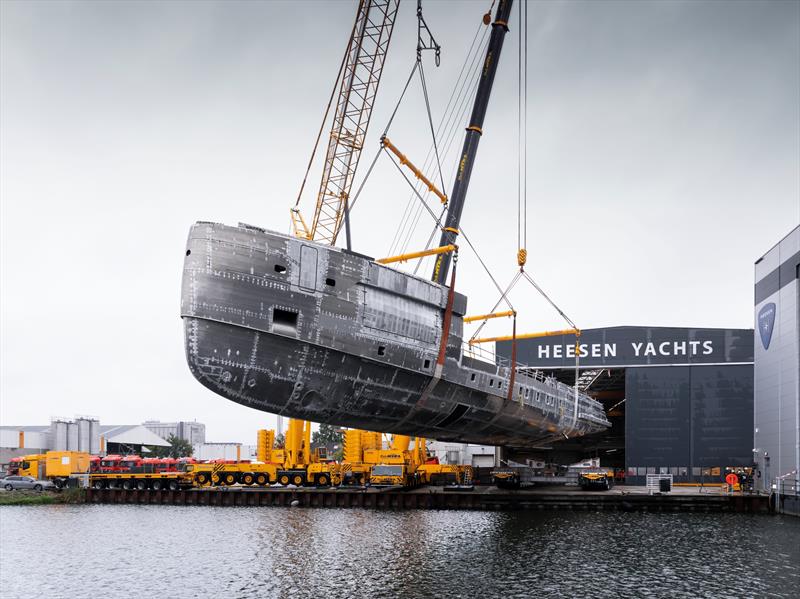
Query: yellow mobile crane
x=398 y=465
x=299 y=465
x=355 y=443
x=294 y=464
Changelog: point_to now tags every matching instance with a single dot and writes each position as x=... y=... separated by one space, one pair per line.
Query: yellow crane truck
x=399 y=465
x=294 y=464
x=56 y=466
x=365 y=461
x=61 y=466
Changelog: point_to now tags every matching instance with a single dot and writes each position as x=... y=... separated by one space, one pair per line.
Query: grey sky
x=664 y=144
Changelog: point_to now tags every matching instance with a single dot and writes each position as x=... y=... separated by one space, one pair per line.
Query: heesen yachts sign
x=633 y=346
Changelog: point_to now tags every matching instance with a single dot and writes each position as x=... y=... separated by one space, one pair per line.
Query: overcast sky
x=663 y=153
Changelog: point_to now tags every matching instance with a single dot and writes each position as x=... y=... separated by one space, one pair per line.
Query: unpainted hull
x=312 y=332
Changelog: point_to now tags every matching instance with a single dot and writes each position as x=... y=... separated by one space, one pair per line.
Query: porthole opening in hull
x=284 y=321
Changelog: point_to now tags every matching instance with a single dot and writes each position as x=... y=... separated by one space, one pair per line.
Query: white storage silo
x=94 y=437
x=72 y=436
x=58 y=429
x=83 y=434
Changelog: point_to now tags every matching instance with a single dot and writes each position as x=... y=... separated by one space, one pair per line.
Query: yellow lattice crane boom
x=360 y=77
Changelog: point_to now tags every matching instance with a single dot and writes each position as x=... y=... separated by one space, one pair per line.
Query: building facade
x=194 y=432
x=777 y=362
x=77 y=434
x=680 y=400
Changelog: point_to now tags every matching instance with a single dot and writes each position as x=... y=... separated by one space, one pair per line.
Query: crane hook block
x=522 y=257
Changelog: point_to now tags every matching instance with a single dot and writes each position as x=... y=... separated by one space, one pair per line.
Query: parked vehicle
x=13 y=482
x=55 y=466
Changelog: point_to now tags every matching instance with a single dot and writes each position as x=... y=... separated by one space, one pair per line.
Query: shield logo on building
x=766 y=322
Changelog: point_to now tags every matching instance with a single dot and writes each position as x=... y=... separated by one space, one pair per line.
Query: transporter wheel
x=248 y=479
x=228 y=478
x=141 y=485
x=323 y=480
x=262 y=479
x=98 y=484
x=284 y=479
x=216 y=479
x=298 y=480
x=203 y=478
x=336 y=480
x=127 y=484
x=173 y=485
x=157 y=484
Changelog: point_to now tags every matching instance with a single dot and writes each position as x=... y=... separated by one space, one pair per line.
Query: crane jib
x=472 y=138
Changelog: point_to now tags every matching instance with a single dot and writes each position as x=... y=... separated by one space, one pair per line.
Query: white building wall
x=224 y=451
x=9 y=439
x=462 y=453
x=777 y=369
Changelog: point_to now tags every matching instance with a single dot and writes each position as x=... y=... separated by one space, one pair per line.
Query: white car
x=25 y=482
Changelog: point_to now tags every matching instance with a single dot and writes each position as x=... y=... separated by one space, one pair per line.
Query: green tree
x=326 y=435
x=178 y=448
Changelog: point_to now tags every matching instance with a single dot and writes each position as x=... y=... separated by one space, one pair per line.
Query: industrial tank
x=94 y=437
x=58 y=429
x=72 y=436
x=84 y=434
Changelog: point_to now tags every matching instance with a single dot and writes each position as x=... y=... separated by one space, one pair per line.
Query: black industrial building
x=680 y=400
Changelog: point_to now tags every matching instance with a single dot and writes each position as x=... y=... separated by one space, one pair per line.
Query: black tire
x=141 y=485
x=173 y=485
x=323 y=480
x=37 y=487
x=229 y=478
x=262 y=479
x=127 y=484
x=156 y=485
x=9 y=487
x=98 y=484
x=298 y=480
x=284 y=479
x=248 y=479
x=202 y=478
x=60 y=483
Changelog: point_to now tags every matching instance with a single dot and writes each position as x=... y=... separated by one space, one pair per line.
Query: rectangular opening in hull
x=457 y=413
x=284 y=321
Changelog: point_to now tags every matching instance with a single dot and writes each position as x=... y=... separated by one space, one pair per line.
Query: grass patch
x=24 y=497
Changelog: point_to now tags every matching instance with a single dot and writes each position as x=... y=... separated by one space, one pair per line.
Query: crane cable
x=522 y=212
x=440 y=227
x=415 y=193
x=455 y=117
x=352 y=204
x=417 y=65
x=457 y=104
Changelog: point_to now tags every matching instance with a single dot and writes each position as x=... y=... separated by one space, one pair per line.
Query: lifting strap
x=439 y=367
x=513 y=361
x=448 y=317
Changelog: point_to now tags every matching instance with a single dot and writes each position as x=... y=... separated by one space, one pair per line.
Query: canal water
x=160 y=551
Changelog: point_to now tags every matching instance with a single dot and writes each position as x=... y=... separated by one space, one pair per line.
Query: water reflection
x=78 y=551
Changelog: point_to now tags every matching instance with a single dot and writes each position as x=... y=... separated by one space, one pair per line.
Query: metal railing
x=563 y=395
x=788 y=486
